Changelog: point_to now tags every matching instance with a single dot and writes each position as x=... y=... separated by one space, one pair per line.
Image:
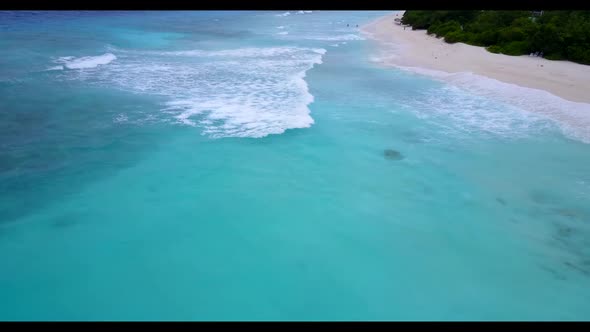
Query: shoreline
x=415 y=48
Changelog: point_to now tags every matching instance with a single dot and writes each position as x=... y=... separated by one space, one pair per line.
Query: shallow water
x=210 y=166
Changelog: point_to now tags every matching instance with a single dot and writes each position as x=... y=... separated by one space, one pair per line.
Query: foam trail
x=247 y=52
x=245 y=92
x=335 y=38
x=573 y=118
x=86 y=62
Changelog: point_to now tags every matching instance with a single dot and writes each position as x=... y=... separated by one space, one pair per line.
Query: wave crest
x=71 y=62
x=246 y=92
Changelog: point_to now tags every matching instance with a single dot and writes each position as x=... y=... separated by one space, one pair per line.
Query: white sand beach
x=415 y=48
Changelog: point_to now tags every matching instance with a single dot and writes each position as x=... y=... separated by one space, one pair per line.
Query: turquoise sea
x=261 y=166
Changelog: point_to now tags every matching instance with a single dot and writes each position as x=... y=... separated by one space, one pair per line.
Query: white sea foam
x=55 y=68
x=335 y=38
x=280 y=27
x=283 y=33
x=474 y=115
x=246 y=52
x=338 y=44
x=246 y=92
x=71 y=62
x=532 y=105
x=525 y=108
x=121 y=118
x=284 y=14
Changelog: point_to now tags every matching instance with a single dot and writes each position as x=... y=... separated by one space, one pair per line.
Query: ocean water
x=260 y=166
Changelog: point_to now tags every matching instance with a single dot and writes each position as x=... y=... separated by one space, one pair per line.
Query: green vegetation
x=559 y=35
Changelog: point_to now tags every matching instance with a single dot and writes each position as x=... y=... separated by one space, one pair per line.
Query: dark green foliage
x=494 y=49
x=444 y=29
x=453 y=37
x=560 y=35
x=516 y=48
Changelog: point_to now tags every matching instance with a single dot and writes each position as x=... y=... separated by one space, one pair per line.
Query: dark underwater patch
x=391 y=154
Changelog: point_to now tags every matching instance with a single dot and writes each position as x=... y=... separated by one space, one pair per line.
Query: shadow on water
x=66 y=220
x=391 y=154
x=571 y=231
x=53 y=145
x=556 y=274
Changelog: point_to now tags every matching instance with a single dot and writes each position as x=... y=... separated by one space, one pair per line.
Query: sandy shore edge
x=415 y=48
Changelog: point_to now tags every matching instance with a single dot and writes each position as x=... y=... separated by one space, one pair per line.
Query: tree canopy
x=559 y=35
